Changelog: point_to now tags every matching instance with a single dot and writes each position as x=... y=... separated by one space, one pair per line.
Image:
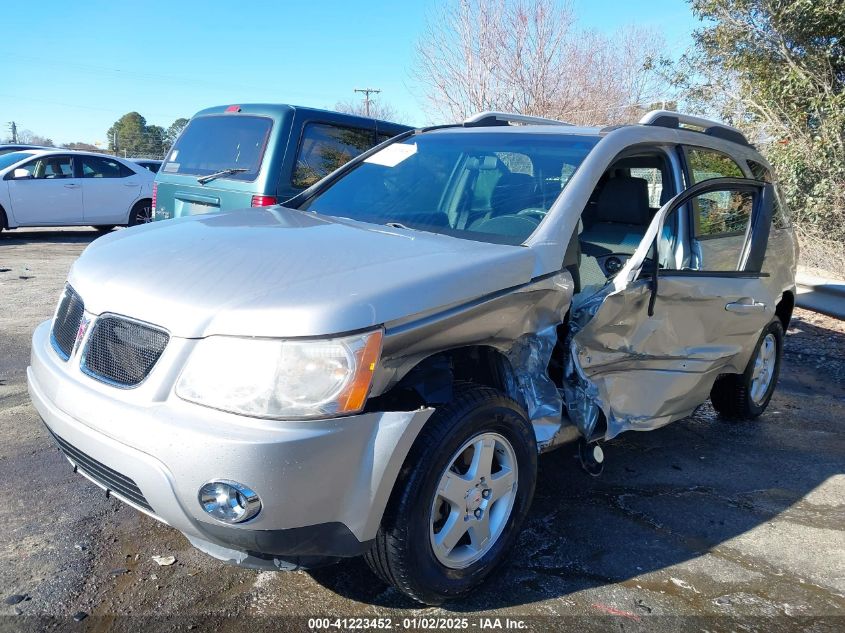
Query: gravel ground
x=701 y=525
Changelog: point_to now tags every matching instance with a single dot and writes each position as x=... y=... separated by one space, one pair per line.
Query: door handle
x=131 y=184
x=746 y=307
x=72 y=186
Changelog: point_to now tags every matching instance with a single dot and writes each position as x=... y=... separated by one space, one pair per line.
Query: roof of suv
x=651 y=124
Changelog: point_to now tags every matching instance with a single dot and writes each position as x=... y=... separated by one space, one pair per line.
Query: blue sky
x=70 y=69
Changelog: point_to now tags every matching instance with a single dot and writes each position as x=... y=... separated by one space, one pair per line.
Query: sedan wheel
x=142 y=213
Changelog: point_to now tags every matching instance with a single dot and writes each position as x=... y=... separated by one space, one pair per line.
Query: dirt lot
x=702 y=525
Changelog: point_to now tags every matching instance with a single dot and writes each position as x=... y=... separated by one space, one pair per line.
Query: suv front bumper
x=323 y=484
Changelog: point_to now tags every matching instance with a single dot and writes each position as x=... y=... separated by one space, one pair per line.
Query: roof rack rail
x=667 y=118
x=487 y=119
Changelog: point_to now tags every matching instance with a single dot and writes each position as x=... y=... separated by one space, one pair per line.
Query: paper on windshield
x=392 y=155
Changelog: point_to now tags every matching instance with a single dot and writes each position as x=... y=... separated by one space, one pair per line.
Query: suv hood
x=281 y=272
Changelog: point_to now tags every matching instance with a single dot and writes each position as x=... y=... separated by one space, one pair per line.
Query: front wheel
x=141 y=213
x=745 y=396
x=460 y=499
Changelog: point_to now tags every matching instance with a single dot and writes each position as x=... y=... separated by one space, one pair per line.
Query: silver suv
x=374 y=368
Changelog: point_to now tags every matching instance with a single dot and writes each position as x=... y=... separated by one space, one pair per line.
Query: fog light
x=229 y=501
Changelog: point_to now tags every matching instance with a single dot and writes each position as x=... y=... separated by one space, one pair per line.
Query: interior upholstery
x=621 y=217
x=623 y=200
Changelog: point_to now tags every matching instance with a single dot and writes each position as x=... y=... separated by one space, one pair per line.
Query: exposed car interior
x=625 y=200
x=497 y=190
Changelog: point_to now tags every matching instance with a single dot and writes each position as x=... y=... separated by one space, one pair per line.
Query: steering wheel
x=534 y=213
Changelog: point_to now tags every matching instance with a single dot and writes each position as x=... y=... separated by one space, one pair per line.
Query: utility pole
x=14 y=128
x=367 y=92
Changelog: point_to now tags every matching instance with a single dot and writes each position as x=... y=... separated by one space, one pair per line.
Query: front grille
x=102 y=474
x=122 y=352
x=66 y=323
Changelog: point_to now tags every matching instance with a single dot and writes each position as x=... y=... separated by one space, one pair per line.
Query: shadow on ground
x=49 y=236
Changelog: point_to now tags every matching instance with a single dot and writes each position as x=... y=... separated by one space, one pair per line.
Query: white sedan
x=65 y=188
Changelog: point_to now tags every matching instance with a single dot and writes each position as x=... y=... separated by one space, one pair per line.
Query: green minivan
x=238 y=156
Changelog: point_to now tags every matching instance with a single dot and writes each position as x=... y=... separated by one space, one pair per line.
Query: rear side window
x=211 y=144
x=654 y=177
x=780 y=217
x=95 y=167
x=706 y=164
x=324 y=148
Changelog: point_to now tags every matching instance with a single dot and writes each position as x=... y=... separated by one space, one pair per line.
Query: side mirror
x=21 y=174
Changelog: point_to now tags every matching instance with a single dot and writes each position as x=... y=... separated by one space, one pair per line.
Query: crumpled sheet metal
x=521 y=324
x=529 y=357
x=673 y=373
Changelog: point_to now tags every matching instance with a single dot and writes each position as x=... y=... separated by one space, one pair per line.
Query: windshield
x=483 y=186
x=217 y=143
x=7 y=160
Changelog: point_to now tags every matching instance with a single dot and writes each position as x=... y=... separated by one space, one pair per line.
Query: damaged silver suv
x=373 y=368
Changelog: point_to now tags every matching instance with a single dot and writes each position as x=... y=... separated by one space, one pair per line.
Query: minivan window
x=457 y=183
x=214 y=143
x=324 y=148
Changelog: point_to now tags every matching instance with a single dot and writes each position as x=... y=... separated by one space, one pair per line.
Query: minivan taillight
x=263 y=201
x=153 y=205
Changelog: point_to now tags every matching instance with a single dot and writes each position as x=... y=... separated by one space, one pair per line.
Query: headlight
x=276 y=378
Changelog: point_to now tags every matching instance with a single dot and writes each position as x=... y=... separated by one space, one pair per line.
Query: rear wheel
x=141 y=213
x=460 y=499
x=745 y=396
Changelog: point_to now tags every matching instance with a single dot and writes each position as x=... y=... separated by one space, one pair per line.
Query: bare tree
x=528 y=56
x=378 y=109
x=30 y=138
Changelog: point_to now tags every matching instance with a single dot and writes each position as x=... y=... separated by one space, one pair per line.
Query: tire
x=104 y=229
x=141 y=213
x=403 y=553
x=736 y=396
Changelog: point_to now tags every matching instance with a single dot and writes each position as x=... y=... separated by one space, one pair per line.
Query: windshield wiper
x=399 y=225
x=225 y=172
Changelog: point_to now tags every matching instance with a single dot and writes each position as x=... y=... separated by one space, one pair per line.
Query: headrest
x=513 y=193
x=623 y=200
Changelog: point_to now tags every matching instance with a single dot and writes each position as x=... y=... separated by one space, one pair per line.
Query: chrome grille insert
x=121 y=351
x=66 y=323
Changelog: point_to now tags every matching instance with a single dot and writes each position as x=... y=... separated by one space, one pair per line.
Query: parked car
x=8 y=148
x=374 y=369
x=67 y=188
x=238 y=156
x=148 y=163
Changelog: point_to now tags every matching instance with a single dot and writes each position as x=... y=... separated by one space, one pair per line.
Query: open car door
x=688 y=306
